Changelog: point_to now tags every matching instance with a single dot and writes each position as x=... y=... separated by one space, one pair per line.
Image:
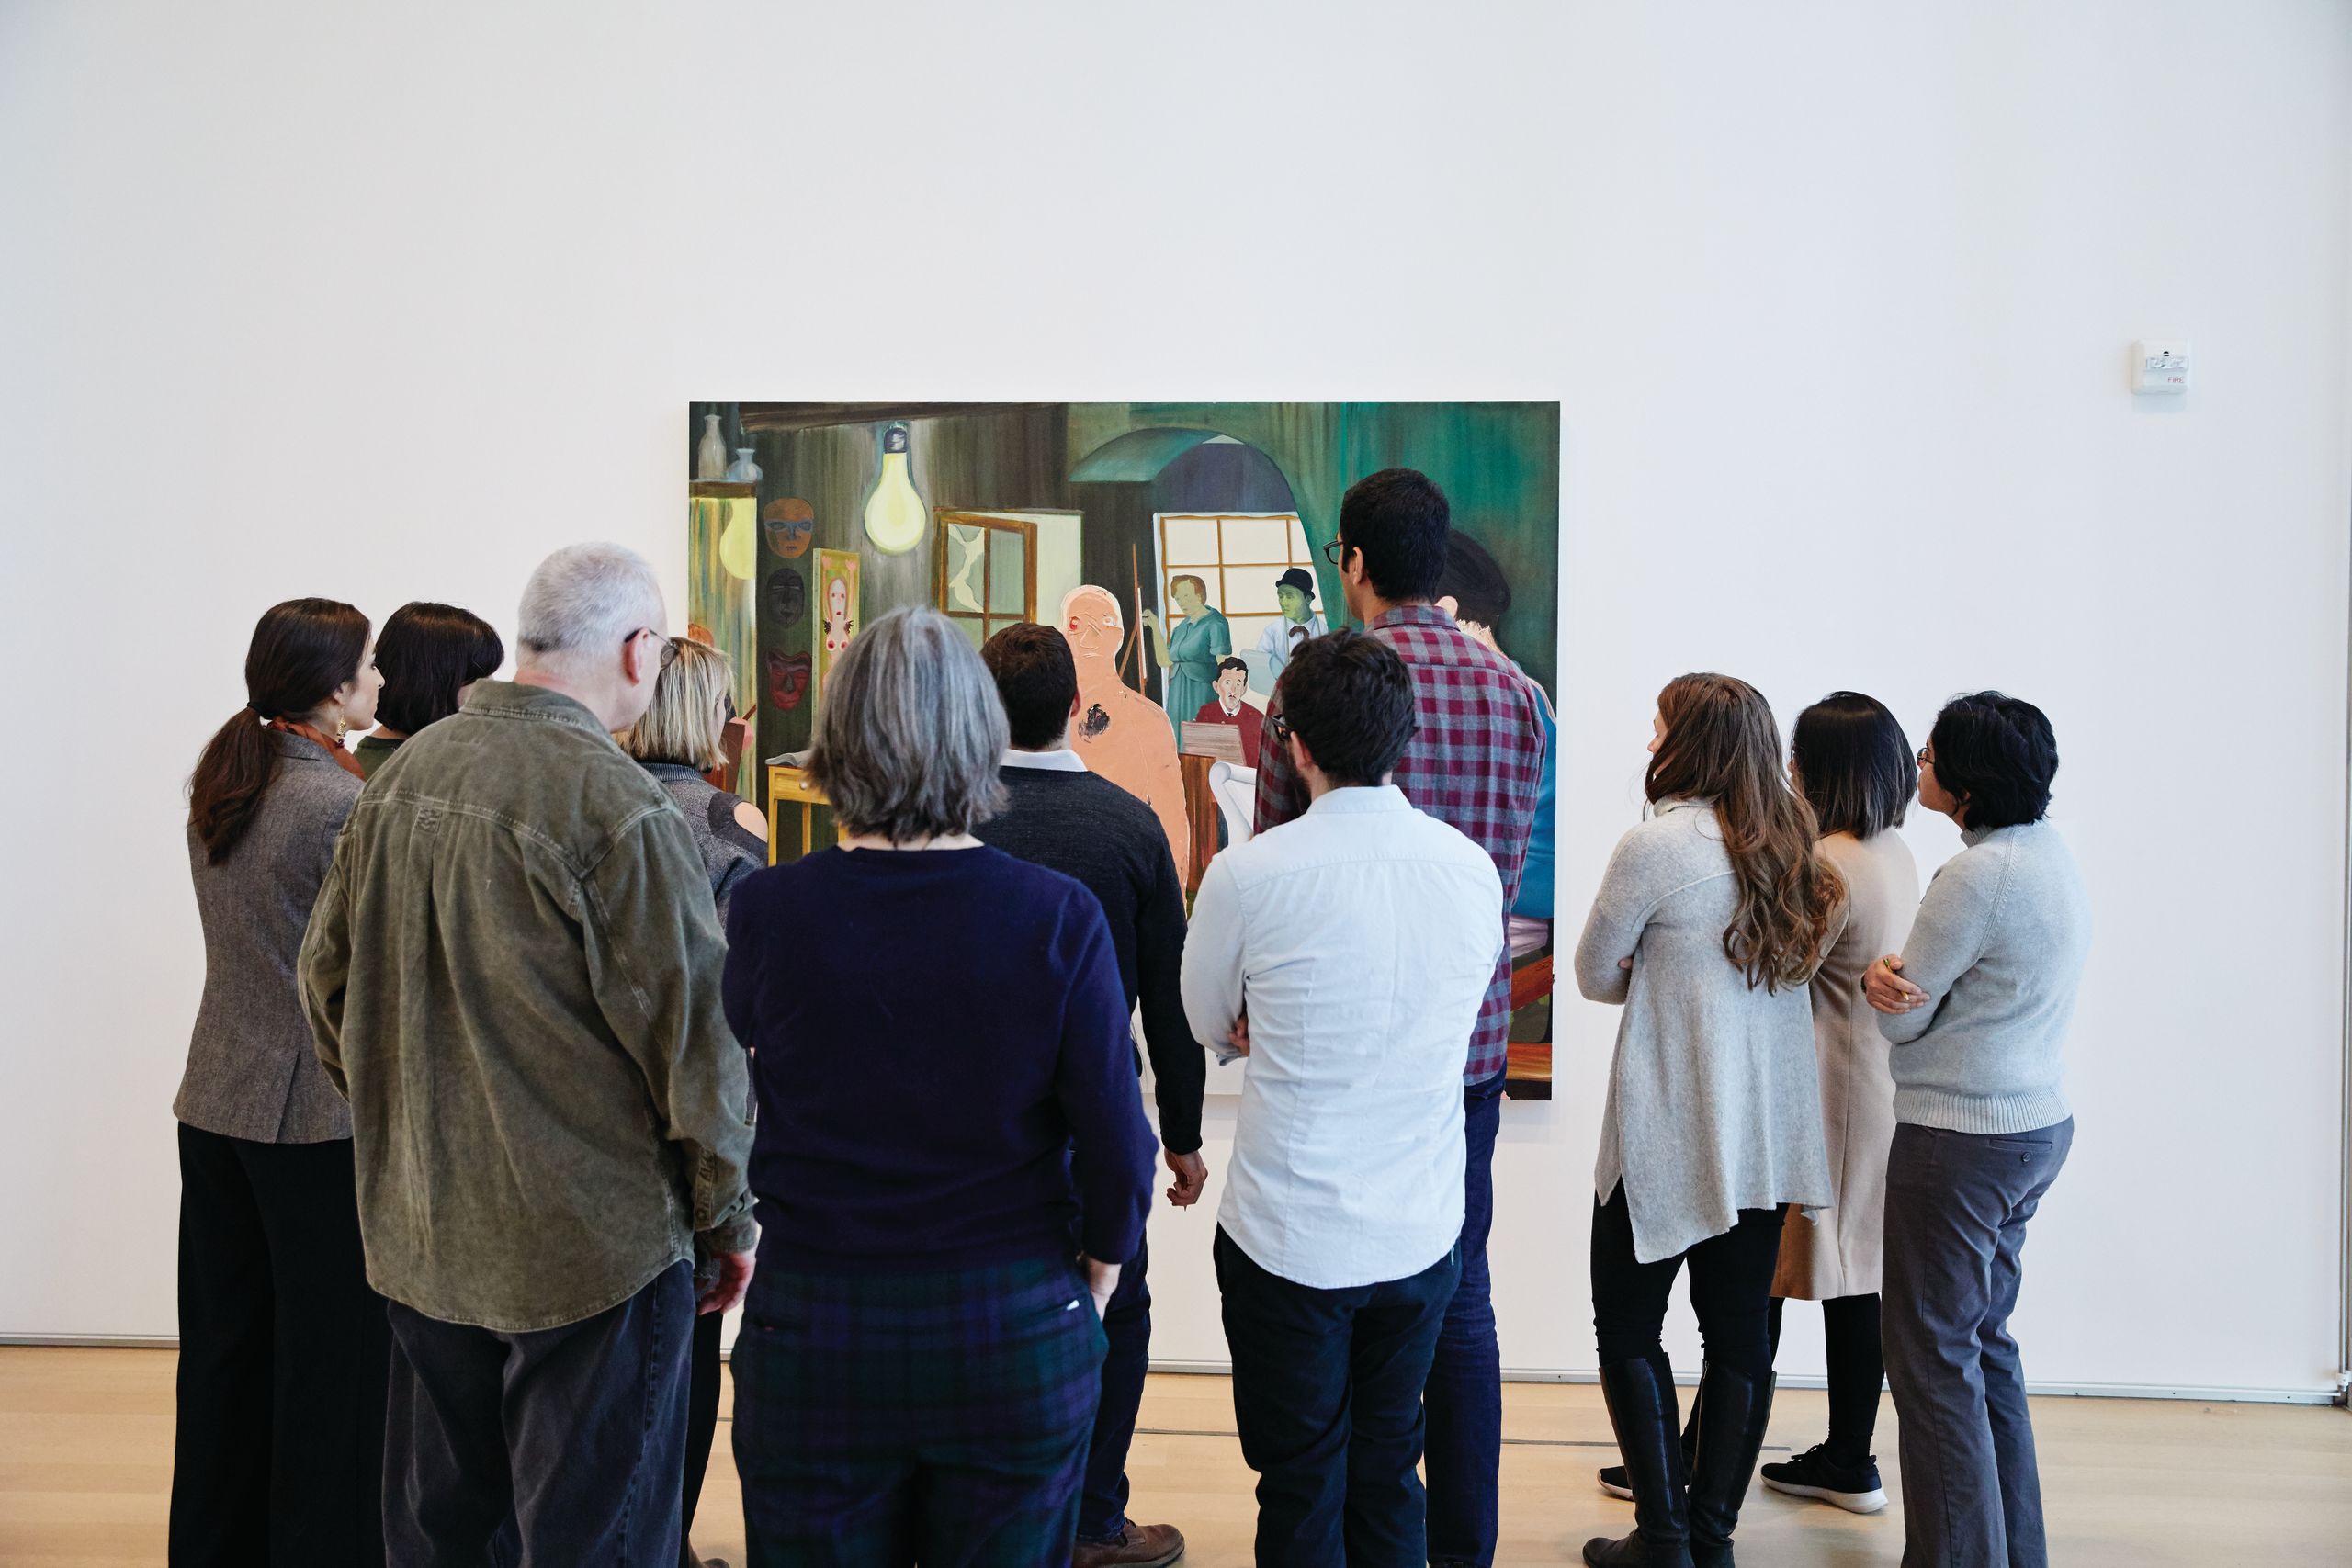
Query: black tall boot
x=1612 y=1477
x=1736 y=1405
x=1640 y=1406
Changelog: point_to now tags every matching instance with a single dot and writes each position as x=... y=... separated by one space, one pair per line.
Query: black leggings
x=1731 y=1288
x=1849 y=1327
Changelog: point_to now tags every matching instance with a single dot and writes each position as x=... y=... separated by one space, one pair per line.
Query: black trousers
x=1327 y=1395
x=563 y=1446
x=704 y=1367
x=277 y=1457
x=1731 y=1288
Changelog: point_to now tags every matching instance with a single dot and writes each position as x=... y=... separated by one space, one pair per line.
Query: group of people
x=517 y=1066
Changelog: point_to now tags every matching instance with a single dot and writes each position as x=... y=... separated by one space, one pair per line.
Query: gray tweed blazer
x=251 y=1072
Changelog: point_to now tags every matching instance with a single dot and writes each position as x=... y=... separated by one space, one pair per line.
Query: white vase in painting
x=742 y=471
x=710 y=452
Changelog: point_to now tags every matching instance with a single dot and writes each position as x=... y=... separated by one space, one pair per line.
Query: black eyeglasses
x=1279 y=728
x=1925 y=758
x=669 y=644
x=1334 y=550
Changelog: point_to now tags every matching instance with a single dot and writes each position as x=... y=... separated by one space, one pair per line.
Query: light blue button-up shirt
x=1359 y=940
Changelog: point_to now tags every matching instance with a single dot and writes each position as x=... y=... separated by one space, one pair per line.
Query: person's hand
x=1626 y=964
x=1192 y=1173
x=1238 y=1035
x=1102 y=1278
x=1887 y=990
x=725 y=1292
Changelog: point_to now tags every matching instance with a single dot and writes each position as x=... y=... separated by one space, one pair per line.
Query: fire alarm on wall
x=2160 y=367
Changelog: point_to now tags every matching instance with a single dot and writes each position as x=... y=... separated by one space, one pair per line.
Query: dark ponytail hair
x=303 y=651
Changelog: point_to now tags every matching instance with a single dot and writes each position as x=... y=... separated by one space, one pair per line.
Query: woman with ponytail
x=1711 y=920
x=284 y=1350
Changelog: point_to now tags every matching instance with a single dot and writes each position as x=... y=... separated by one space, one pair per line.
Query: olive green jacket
x=512 y=974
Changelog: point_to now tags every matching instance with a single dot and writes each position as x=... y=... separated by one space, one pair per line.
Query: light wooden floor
x=86 y=1442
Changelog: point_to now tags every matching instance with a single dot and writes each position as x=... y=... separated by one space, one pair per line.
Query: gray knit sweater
x=1714 y=1102
x=1999 y=946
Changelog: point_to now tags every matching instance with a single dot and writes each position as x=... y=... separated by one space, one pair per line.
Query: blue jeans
x=1957 y=1206
x=563 y=1445
x=1464 y=1400
x=1102 y=1502
x=1326 y=1397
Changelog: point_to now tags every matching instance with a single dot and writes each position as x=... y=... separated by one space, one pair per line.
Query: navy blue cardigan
x=934 y=1033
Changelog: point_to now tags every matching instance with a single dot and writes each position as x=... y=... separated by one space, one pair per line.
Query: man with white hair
x=513 y=975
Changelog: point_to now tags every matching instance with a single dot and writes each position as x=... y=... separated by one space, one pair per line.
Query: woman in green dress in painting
x=1191 y=652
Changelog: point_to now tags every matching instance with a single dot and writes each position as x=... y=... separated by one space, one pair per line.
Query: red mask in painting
x=787 y=679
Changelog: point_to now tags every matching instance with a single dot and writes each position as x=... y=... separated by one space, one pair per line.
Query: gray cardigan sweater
x=1999 y=946
x=251 y=1070
x=1715 y=1099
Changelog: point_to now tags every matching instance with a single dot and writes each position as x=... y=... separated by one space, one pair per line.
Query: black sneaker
x=1813 y=1473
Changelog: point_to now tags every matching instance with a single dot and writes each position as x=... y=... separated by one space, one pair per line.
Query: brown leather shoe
x=1138 y=1546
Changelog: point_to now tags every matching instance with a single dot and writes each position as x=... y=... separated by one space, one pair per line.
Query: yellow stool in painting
x=789 y=786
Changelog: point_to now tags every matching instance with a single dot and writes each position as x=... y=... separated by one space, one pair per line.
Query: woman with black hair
x=284 y=1350
x=1977 y=1006
x=1850 y=759
x=430 y=655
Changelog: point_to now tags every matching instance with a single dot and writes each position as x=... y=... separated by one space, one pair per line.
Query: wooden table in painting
x=791 y=787
x=1200 y=810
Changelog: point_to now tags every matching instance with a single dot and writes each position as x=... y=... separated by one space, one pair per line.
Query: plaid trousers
x=941 y=1418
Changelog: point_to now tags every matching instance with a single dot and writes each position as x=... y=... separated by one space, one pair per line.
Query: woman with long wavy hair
x=1711 y=920
x=284 y=1350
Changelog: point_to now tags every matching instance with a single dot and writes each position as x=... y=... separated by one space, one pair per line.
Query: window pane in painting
x=1008 y=574
x=971 y=627
x=1247 y=629
x=1257 y=539
x=967 y=564
x=1190 y=541
x=1250 y=590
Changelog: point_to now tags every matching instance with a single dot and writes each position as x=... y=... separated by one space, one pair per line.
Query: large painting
x=1179 y=547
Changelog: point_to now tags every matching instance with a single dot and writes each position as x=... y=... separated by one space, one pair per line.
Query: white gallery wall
x=384 y=301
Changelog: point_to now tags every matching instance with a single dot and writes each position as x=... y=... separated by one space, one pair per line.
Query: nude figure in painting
x=1121 y=733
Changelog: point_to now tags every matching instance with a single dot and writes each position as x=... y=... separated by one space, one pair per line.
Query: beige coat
x=1837 y=1253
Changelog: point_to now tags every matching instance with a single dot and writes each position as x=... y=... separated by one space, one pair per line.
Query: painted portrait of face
x=790 y=526
x=1293 y=601
x=786 y=597
x=837 y=603
x=787 y=679
x=1231 y=683
x=1092 y=621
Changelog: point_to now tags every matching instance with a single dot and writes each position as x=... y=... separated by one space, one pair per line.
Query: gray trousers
x=1957 y=1205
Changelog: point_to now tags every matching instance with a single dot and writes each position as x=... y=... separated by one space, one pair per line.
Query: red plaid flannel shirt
x=1475 y=765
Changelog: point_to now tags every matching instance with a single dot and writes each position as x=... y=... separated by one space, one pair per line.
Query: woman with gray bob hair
x=950 y=1154
x=911 y=732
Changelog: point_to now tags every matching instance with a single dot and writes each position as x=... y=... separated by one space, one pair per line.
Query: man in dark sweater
x=1070 y=820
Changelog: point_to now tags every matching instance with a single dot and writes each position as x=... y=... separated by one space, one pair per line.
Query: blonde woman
x=678 y=742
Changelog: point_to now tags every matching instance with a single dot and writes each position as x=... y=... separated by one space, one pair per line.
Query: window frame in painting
x=1295 y=542
x=985 y=619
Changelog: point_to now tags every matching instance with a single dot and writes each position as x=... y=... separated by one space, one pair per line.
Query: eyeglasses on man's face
x=1334 y=550
x=669 y=644
x=1279 y=728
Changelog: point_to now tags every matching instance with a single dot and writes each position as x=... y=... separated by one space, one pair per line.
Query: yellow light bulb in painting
x=738 y=536
x=895 y=515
